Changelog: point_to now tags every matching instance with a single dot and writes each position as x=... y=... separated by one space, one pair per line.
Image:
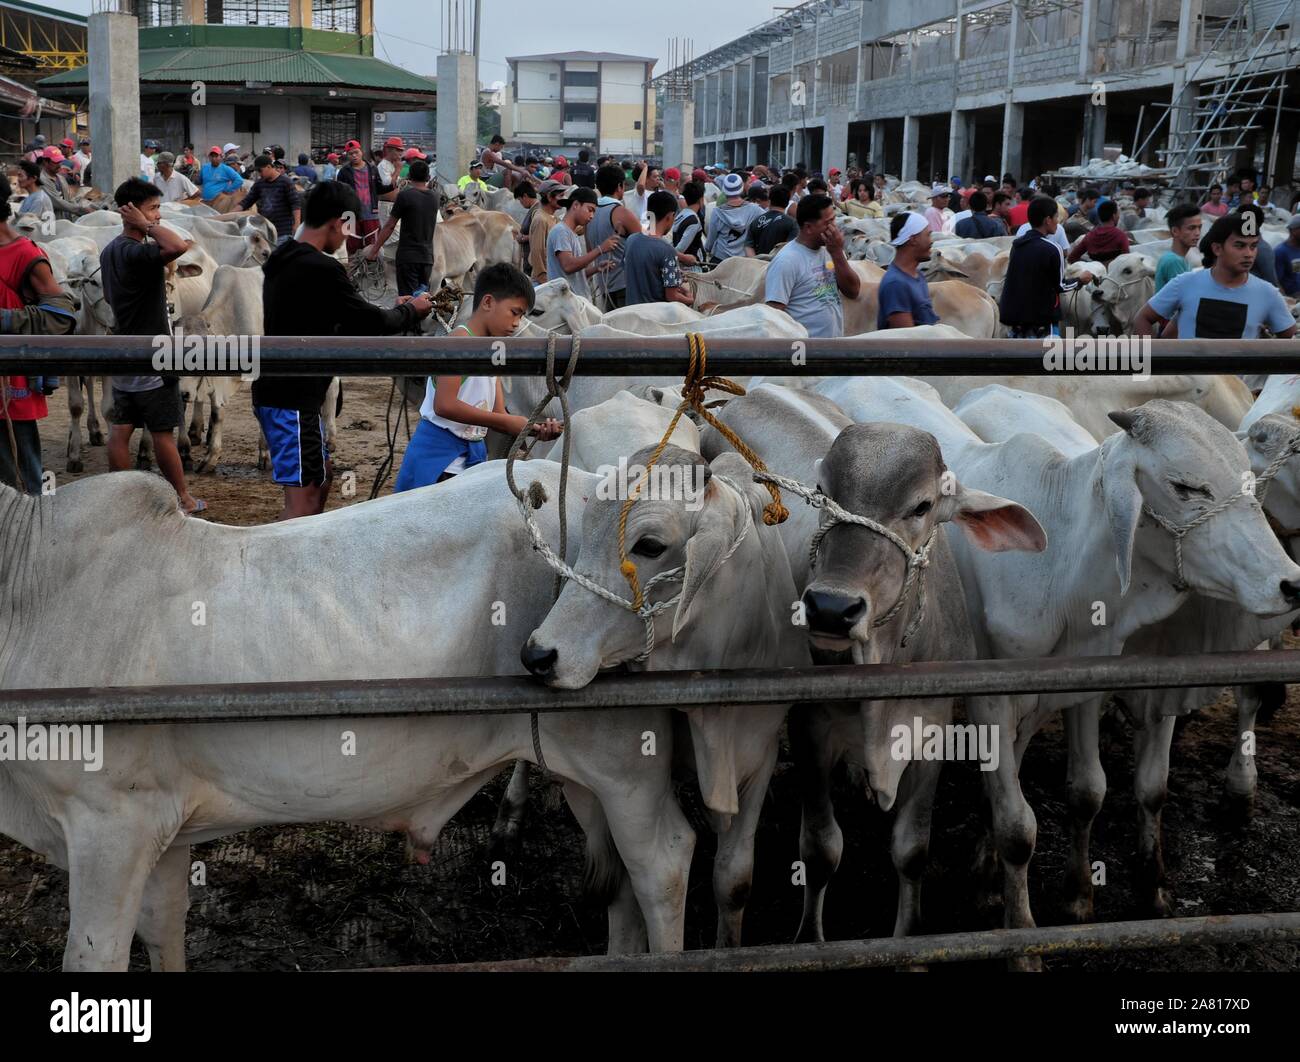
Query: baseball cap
x=834 y=172
x=548 y=186
x=394 y=141
x=561 y=162
x=990 y=177
x=333 y=156
x=732 y=184
x=698 y=174
x=166 y=156
x=52 y=153
x=84 y=140
x=152 y=144
x=229 y=148
x=352 y=144
x=39 y=138
x=938 y=190
x=68 y=142
x=476 y=165
x=413 y=153
x=673 y=173
x=214 y=150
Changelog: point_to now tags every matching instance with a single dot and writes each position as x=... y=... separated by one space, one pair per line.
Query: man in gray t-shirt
x=650 y=261
x=565 y=248
x=810 y=273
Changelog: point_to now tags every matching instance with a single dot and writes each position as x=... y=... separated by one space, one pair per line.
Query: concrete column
x=1013 y=139
x=878 y=145
x=911 y=134
x=1094 y=130
x=114 y=59
x=1087 y=31
x=679 y=131
x=959 y=147
x=457 y=115
x=835 y=139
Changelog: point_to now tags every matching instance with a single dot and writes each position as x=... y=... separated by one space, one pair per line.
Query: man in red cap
x=673 y=183
x=391 y=162
x=363 y=176
x=69 y=148
x=410 y=155
x=561 y=175
x=55 y=183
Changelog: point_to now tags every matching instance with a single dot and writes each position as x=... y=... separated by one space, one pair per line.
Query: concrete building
x=600 y=100
x=928 y=89
x=301 y=73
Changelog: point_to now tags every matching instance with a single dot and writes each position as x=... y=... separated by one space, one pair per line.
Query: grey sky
x=410 y=32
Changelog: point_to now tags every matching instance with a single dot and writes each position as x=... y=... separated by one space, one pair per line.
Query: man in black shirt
x=1030 y=304
x=276 y=198
x=307 y=293
x=416 y=207
x=773 y=227
x=132 y=267
x=583 y=172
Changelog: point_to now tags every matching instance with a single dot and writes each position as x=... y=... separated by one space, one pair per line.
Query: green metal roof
x=235 y=66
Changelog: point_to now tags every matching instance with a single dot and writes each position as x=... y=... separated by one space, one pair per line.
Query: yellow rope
x=695 y=386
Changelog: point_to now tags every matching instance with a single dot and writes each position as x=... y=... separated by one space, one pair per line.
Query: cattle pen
x=668 y=357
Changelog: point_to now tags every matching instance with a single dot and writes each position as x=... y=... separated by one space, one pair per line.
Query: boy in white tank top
x=458 y=410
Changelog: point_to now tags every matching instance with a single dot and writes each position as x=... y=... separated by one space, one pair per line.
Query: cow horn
x=1124 y=419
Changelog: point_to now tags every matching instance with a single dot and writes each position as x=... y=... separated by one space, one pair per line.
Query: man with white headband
x=904 y=295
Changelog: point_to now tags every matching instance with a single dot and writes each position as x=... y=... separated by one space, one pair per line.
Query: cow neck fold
x=22 y=519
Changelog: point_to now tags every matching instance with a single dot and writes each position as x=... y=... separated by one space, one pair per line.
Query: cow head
x=557 y=308
x=895 y=475
x=1265 y=440
x=944 y=265
x=1127 y=286
x=28 y=225
x=733 y=608
x=86 y=284
x=1177 y=460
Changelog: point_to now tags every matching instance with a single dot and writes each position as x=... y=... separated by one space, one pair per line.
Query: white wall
x=622 y=83
x=537 y=81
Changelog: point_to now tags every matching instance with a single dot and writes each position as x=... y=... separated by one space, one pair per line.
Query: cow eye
x=1186 y=491
x=648 y=547
x=923 y=508
x=536 y=313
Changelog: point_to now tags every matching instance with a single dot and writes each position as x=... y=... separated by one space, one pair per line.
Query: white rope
x=647 y=612
x=918 y=560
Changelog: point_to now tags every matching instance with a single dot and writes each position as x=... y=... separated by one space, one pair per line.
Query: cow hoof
x=206 y=467
x=1026 y=964
x=1079 y=910
x=75 y=466
x=1162 y=904
x=96 y=437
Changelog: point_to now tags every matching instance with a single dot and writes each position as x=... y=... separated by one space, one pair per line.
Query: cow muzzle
x=539 y=660
x=832 y=616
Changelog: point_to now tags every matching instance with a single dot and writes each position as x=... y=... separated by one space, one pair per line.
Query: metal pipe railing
x=653 y=356
x=876 y=952
x=661 y=689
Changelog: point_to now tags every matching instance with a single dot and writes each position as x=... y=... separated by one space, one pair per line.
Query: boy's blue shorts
x=431 y=449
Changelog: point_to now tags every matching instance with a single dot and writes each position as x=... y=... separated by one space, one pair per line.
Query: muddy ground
x=334 y=896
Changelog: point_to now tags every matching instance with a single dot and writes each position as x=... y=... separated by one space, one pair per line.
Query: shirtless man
x=496 y=164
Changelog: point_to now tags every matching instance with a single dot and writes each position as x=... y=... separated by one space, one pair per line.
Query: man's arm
x=899 y=320
x=624 y=221
x=678 y=294
x=373 y=252
x=571 y=262
x=1146 y=321
x=54 y=191
x=357 y=317
x=1078 y=250
x=253 y=197
x=846 y=277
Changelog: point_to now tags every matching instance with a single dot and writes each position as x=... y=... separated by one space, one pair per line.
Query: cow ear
x=1123 y=503
x=994 y=524
x=720 y=522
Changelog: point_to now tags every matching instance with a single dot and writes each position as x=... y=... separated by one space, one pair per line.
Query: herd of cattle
x=1029 y=517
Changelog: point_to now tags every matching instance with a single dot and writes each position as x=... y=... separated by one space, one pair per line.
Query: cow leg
x=328 y=415
x=165 y=904
x=1151 y=787
x=94 y=431
x=144 y=455
x=210 y=459
x=263 y=454
x=656 y=843
x=110 y=857
x=821 y=842
x=607 y=879
x=1086 y=781
x=910 y=840
x=76 y=407
x=733 y=865
x=1242 y=776
x=510 y=812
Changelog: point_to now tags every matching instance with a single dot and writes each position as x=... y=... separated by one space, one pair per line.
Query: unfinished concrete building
x=929 y=89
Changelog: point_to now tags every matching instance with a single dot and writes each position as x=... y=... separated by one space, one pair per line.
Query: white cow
x=1103 y=554
x=124 y=832
x=1127 y=286
x=997 y=412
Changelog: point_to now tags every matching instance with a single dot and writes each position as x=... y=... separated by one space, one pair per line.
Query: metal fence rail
x=660 y=689
x=657 y=356
x=879 y=952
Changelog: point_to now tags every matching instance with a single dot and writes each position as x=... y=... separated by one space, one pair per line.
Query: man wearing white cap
x=729 y=222
x=939 y=194
x=904 y=296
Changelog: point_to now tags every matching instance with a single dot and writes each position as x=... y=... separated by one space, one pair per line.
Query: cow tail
x=338 y=401
x=605 y=870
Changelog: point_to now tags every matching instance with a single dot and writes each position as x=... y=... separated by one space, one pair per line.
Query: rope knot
x=775 y=513
x=536 y=494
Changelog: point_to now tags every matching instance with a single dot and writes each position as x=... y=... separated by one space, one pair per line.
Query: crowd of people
x=621 y=232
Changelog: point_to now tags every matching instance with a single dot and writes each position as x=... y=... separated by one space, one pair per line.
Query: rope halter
x=1256 y=497
x=646 y=610
x=918 y=560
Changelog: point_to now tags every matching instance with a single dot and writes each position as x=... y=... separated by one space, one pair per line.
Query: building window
x=636 y=125
x=337 y=15
x=331 y=129
x=581 y=78
x=248 y=12
x=579 y=112
x=248 y=119
x=160 y=12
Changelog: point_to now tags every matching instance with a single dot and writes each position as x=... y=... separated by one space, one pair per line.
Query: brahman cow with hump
x=894 y=475
x=1109 y=570
x=399 y=566
x=733 y=610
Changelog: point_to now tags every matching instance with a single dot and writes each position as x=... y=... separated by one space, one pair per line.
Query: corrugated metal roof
x=45 y=12
x=234 y=66
x=582 y=57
